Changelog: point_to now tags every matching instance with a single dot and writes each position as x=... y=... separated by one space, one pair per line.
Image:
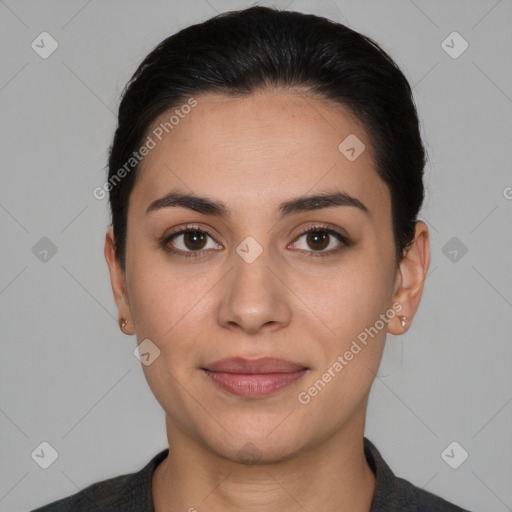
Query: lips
x=262 y=365
x=254 y=378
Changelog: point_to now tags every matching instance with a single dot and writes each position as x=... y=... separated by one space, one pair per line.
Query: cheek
x=154 y=304
x=167 y=310
x=350 y=303
x=163 y=304
x=173 y=309
x=351 y=306
x=353 y=297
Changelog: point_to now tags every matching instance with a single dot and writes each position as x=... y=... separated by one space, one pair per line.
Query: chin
x=266 y=445
x=254 y=453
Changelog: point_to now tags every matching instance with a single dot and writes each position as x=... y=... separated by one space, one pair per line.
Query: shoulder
x=424 y=501
x=125 y=492
x=395 y=494
x=104 y=495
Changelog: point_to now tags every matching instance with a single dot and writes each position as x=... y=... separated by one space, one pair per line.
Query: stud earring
x=402 y=320
x=123 y=324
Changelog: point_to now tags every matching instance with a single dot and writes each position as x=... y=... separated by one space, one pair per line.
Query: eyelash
x=197 y=254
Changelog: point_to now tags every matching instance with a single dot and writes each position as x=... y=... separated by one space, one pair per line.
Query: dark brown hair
x=239 y=52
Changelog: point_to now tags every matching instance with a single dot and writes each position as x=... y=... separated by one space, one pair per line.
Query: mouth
x=255 y=378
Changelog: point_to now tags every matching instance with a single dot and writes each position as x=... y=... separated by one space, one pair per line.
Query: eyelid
x=342 y=238
x=319 y=226
x=183 y=230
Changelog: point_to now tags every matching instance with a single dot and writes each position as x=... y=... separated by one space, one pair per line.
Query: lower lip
x=255 y=385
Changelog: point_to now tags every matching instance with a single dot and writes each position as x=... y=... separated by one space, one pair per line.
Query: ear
x=410 y=279
x=117 y=280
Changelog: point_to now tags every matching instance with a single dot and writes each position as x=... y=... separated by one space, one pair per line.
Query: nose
x=254 y=297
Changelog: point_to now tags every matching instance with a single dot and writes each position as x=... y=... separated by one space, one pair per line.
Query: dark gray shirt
x=132 y=492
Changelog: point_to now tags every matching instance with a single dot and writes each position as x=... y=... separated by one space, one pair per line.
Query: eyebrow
x=209 y=206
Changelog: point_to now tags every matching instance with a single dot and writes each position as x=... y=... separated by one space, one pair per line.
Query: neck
x=332 y=477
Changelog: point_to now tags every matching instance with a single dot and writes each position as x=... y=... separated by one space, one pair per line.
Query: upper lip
x=261 y=365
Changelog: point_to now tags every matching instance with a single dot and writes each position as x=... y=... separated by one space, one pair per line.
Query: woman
x=265 y=180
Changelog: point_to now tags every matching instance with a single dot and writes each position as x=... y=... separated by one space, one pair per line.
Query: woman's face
x=251 y=286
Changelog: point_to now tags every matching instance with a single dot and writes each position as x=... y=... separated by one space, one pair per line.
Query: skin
x=252 y=153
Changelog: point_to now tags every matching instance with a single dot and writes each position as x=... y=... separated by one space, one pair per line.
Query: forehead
x=259 y=149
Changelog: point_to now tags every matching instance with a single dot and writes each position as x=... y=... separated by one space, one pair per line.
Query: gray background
x=68 y=375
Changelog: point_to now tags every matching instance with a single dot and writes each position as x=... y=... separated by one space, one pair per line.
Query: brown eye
x=318 y=238
x=194 y=239
x=190 y=241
